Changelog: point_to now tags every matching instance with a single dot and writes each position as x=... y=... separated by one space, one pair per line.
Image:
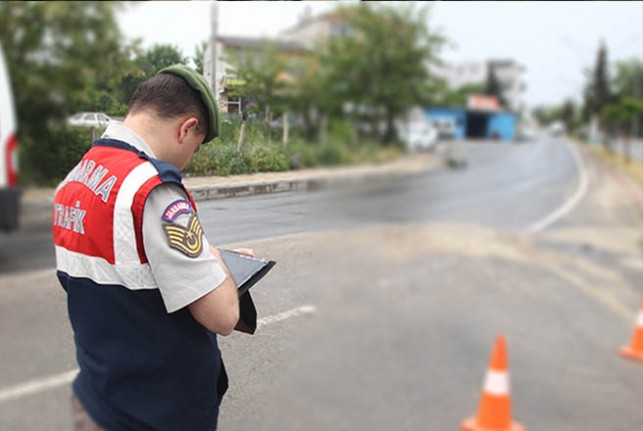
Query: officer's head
x=176 y=112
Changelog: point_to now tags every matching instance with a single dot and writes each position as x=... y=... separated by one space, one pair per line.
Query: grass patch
x=631 y=168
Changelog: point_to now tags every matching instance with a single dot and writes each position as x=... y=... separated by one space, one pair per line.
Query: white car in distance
x=418 y=136
x=89 y=119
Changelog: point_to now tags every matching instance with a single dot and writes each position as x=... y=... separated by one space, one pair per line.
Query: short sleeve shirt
x=182 y=277
x=183 y=273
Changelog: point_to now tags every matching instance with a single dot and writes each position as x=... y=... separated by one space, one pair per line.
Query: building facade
x=225 y=77
x=509 y=73
x=463 y=123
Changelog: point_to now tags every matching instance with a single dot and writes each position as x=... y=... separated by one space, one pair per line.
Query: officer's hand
x=245 y=251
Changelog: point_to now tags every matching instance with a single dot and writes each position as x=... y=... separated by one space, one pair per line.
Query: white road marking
x=299 y=311
x=37 y=385
x=40 y=385
x=567 y=207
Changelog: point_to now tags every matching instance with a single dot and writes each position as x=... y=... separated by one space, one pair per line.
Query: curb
x=36 y=203
x=629 y=185
x=311 y=180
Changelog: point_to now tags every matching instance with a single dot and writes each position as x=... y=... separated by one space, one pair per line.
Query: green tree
x=568 y=114
x=629 y=78
x=629 y=85
x=542 y=115
x=261 y=73
x=147 y=64
x=199 y=54
x=306 y=90
x=160 y=56
x=618 y=116
x=380 y=65
x=63 y=57
x=597 y=92
x=459 y=96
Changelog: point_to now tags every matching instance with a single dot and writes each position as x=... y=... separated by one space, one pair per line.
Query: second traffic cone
x=494 y=411
x=635 y=350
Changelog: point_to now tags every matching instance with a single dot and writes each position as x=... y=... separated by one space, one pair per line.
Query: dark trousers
x=80 y=418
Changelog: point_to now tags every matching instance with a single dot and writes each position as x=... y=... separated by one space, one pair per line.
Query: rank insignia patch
x=188 y=240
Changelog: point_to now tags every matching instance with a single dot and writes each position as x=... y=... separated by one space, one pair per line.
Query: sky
x=556 y=41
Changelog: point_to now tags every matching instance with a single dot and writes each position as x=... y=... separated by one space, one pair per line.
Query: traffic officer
x=146 y=293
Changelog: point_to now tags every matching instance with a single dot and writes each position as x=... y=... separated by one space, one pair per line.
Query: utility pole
x=637 y=96
x=211 y=52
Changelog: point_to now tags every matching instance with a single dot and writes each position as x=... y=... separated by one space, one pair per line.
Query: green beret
x=197 y=81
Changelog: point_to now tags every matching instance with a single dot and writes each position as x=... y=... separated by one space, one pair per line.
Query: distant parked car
x=419 y=135
x=446 y=127
x=557 y=128
x=89 y=119
x=526 y=134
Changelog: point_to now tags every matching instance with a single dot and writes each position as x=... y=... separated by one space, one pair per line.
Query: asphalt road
x=386 y=299
x=504 y=187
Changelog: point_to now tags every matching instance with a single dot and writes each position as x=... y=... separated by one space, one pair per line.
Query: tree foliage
x=597 y=92
x=62 y=57
x=615 y=100
x=380 y=64
x=199 y=56
x=57 y=51
x=568 y=112
x=459 y=96
x=145 y=65
x=370 y=70
x=262 y=76
x=629 y=78
x=66 y=57
x=628 y=84
x=307 y=91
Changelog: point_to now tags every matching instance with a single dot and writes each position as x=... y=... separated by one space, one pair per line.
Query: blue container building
x=461 y=123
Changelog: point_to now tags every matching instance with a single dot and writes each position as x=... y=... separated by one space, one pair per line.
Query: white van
x=9 y=189
x=416 y=131
x=418 y=136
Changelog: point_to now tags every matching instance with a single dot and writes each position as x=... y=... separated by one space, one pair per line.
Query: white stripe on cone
x=639 y=319
x=496 y=383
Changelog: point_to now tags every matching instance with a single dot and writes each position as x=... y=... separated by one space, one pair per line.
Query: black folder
x=246 y=271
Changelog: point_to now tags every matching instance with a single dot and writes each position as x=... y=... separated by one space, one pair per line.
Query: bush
x=217 y=159
x=333 y=152
x=301 y=154
x=341 y=131
x=45 y=159
x=267 y=158
x=48 y=161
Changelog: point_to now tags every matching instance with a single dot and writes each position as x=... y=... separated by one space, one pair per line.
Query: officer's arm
x=188 y=272
x=218 y=310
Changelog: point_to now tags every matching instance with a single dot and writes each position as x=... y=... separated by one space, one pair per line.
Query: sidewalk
x=36 y=202
x=207 y=188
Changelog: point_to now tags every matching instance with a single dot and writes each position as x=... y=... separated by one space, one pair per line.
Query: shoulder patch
x=175 y=209
x=188 y=240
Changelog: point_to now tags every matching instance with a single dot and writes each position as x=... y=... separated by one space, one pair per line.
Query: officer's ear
x=187 y=127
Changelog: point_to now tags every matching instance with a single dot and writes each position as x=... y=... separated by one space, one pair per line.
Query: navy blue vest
x=140 y=367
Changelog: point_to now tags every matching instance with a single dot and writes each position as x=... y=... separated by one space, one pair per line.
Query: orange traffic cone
x=494 y=411
x=635 y=350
